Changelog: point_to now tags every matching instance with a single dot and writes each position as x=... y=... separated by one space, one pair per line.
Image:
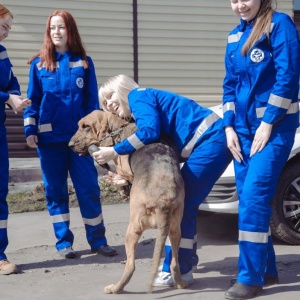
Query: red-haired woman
x=9 y=94
x=63 y=89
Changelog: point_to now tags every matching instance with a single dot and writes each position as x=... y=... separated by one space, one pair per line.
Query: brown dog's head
x=94 y=129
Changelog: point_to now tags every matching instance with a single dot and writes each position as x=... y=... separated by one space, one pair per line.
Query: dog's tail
x=163 y=226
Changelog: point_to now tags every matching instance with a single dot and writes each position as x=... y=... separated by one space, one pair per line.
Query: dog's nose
x=71 y=144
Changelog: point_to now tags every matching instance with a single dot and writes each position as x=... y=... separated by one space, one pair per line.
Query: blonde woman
x=198 y=135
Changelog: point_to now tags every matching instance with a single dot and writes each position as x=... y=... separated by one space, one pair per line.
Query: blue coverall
x=261 y=86
x=8 y=85
x=198 y=134
x=59 y=100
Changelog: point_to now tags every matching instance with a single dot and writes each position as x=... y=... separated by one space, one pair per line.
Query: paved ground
x=44 y=275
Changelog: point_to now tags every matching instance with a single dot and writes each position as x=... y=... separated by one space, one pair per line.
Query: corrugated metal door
x=106 y=31
x=180 y=44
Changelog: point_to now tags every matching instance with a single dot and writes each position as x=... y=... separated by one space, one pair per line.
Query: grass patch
x=34 y=200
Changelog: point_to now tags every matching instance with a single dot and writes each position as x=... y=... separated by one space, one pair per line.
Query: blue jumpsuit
x=59 y=100
x=198 y=134
x=261 y=86
x=8 y=85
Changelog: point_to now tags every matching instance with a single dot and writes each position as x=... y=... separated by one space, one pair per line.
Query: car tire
x=285 y=220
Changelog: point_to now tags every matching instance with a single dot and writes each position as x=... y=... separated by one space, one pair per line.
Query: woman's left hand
x=104 y=155
x=261 y=138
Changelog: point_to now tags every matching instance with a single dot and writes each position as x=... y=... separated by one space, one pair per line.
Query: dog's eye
x=86 y=127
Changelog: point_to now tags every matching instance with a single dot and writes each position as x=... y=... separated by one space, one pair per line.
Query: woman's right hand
x=32 y=141
x=17 y=103
x=233 y=143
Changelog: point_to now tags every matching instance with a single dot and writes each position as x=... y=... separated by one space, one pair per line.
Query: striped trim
x=279 y=101
x=233 y=38
x=40 y=67
x=3 y=224
x=29 y=121
x=207 y=122
x=135 y=142
x=60 y=218
x=76 y=64
x=293 y=108
x=93 y=222
x=253 y=237
x=184 y=243
x=228 y=106
x=45 y=128
x=3 y=55
x=271 y=27
x=15 y=92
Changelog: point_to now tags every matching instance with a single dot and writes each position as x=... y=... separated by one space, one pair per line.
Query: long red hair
x=5 y=12
x=47 y=52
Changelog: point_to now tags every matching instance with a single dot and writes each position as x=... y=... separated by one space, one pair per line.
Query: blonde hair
x=121 y=85
x=262 y=24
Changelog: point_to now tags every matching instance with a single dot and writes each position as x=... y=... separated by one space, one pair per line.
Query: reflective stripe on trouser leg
x=88 y=195
x=4 y=166
x=184 y=243
x=256 y=180
x=55 y=163
x=205 y=165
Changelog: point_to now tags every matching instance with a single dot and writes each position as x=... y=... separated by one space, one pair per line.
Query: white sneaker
x=165 y=278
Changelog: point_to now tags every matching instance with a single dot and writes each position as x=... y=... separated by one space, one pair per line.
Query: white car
x=285 y=221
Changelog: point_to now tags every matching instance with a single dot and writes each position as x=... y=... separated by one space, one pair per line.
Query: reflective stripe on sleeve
x=293 y=108
x=29 y=121
x=228 y=106
x=45 y=128
x=279 y=101
x=135 y=142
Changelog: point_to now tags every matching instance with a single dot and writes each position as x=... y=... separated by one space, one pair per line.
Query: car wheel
x=285 y=221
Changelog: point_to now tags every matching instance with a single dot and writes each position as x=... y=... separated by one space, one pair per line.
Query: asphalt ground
x=43 y=274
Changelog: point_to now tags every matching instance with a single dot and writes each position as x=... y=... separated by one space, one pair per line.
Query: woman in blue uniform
x=10 y=95
x=198 y=134
x=63 y=89
x=260 y=105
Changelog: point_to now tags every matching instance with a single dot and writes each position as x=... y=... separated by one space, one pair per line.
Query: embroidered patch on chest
x=79 y=82
x=257 y=55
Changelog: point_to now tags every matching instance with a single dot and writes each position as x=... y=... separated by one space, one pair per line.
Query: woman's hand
x=233 y=143
x=17 y=103
x=115 y=179
x=32 y=141
x=104 y=155
x=261 y=137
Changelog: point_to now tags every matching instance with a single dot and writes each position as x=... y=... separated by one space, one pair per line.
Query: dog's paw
x=111 y=289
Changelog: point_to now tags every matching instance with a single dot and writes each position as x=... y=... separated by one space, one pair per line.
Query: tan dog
x=157 y=192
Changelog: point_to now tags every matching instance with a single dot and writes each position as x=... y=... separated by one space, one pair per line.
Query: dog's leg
x=175 y=237
x=132 y=237
x=163 y=225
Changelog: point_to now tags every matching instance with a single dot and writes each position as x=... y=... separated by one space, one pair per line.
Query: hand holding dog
x=115 y=179
x=104 y=155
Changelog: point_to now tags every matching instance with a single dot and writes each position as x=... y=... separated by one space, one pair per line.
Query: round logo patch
x=257 y=55
x=79 y=82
